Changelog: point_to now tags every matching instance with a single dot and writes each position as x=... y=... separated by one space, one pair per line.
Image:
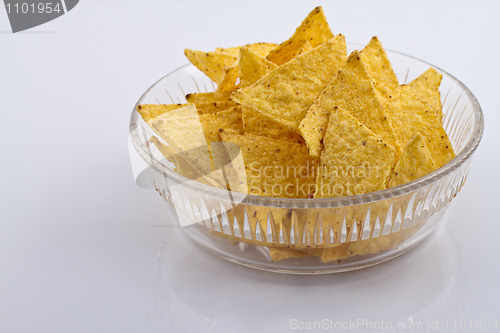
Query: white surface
x=83 y=249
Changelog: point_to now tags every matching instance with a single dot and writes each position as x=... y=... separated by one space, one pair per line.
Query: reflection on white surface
x=418 y=286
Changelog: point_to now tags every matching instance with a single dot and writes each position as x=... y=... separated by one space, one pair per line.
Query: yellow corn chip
x=210 y=63
x=182 y=166
x=292 y=51
x=261 y=49
x=215 y=106
x=257 y=123
x=228 y=81
x=182 y=130
x=252 y=67
x=410 y=114
x=228 y=158
x=206 y=97
x=215 y=123
x=281 y=253
x=354 y=160
x=427 y=87
x=352 y=90
x=286 y=93
x=275 y=168
x=314 y=29
x=415 y=162
x=151 y=111
x=379 y=67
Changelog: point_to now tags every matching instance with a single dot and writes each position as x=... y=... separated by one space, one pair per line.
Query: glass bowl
x=312 y=235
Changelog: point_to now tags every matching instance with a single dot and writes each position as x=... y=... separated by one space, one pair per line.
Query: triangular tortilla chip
x=354 y=160
x=293 y=50
x=182 y=166
x=206 y=97
x=252 y=67
x=415 y=162
x=314 y=29
x=379 y=67
x=215 y=106
x=427 y=87
x=215 y=123
x=352 y=90
x=262 y=49
x=227 y=157
x=286 y=93
x=228 y=80
x=151 y=111
x=275 y=168
x=410 y=114
x=259 y=124
x=210 y=63
x=182 y=130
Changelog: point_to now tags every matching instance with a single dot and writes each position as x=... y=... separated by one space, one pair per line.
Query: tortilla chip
x=379 y=67
x=252 y=67
x=151 y=111
x=415 y=162
x=210 y=63
x=314 y=29
x=275 y=168
x=257 y=123
x=286 y=93
x=182 y=130
x=214 y=107
x=229 y=78
x=354 y=160
x=352 y=90
x=410 y=114
x=215 y=123
x=365 y=247
x=293 y=50
x=207 y=97
x=182 y=166
x=228 y=158
x=262 y=49
x=281 y=253
x=427 y=87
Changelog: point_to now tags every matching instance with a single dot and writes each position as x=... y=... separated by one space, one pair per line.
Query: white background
x=83 y=249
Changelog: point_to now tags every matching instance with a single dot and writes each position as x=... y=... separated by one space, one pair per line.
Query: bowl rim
x=393 y=192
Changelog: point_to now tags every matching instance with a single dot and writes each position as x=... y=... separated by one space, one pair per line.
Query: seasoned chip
x=427 y=87
x=275 y=168
x=227 y=157
x=261 y=49
x=252 y=67
x=207 y=97
x=215 y=106
x=211 y=63
x=292 y=51
x=354 y=160
x=410 y=114
x=379 y=67
x=259 y=124
x=286 y=93
x=314 y=29
x=215 y=123
x=182 y=130
x=351 y=90
x=151 y=111
x=415 y=162
x=228 y=80
x=182 y=166
x=281 y=253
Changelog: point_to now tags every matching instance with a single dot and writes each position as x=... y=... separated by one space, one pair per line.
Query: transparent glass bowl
x=320 y=235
